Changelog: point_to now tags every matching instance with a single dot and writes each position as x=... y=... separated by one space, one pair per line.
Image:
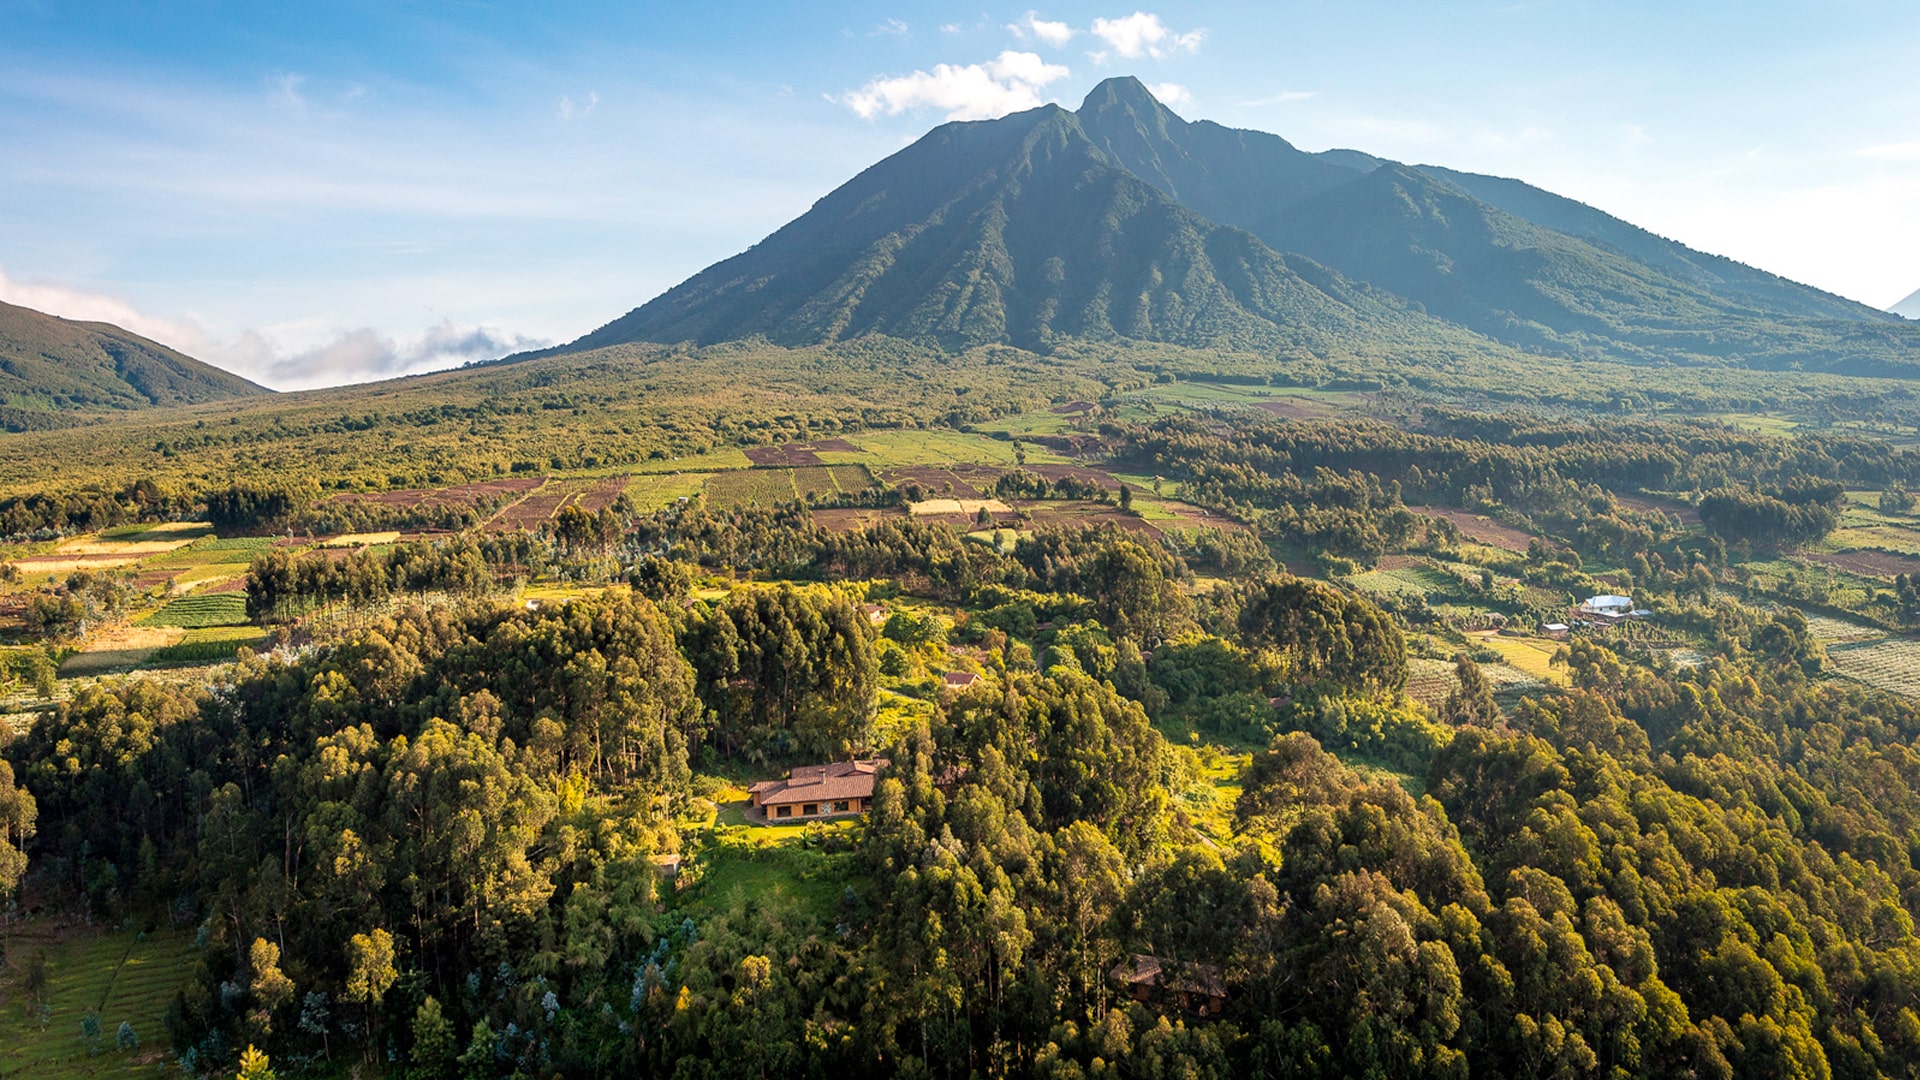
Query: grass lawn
x=1531 y=655
x=117 y=976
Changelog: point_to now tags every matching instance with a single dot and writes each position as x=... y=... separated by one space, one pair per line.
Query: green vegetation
x=51 y=367
x=57 y=978
x=198 y=610
x=1237 y=624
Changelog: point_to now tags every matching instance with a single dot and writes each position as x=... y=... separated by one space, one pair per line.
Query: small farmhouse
x=1199 y=988
x=961 y=680
x=1610 y=607
x=818 y=791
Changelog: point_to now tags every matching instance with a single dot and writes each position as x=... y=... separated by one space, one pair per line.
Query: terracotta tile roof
x=960 y=680
x=821 y=783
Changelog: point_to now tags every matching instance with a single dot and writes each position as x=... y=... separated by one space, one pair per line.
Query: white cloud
x=1899 y=151
x=1032 y=25
x=889 y=28
x=1143 y=34
x=1171 y=93
x=1008 y=83
x=362 y=354
x=294 y=355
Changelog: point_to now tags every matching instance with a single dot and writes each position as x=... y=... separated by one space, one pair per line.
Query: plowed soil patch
x=786 y=454
x=1869 y=563
x=1476 y=527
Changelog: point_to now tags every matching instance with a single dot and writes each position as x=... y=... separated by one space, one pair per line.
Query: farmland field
x=119 y=977
x=1403 y=581
x=1888 y=663
x=652 y=491
x=1531 y=656
x=891 y=448
x=202 y=610
x=210 y=645
x=751 y=487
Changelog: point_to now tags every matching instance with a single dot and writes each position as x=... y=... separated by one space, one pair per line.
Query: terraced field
x=199 y=610
x=1889 y=663
x=119 y=977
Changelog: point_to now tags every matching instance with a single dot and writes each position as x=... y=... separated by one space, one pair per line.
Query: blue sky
x=322 y=193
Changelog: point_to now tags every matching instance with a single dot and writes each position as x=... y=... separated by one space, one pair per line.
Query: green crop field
x=851 y=477
x=888 y=449
x=1406 y=581
x=208 y=645
x=656 y=490
x=119 y=977
x=198 y=610
x=752 y=487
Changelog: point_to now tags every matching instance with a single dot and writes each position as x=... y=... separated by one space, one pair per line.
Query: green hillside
x=1022 y=231
x=49 y=365
x=1401 y=229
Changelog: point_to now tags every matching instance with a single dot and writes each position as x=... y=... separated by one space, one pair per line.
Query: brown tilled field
x=473 y=494
x=1868 y=563
x=1681 y=512
x=968 y=481
x=784 y=454
x=1475 y=527
x=1294 y=410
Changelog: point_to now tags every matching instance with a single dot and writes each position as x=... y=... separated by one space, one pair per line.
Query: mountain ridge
x=1122 y=220
x=51 y=367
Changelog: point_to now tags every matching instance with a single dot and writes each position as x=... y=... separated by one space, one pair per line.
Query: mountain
x=1124 y=221
x=1022 y=231
x=1716 y=274
x=1908 y=308
x=49 y=364
x=1498 y=256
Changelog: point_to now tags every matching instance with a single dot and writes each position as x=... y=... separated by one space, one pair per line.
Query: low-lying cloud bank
x=298 y=355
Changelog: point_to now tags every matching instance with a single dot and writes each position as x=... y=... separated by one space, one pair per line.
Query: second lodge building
x=809 y=791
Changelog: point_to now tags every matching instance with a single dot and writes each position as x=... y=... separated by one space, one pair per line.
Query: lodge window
x=810 y=809
x=783 y=811
x=841 y=807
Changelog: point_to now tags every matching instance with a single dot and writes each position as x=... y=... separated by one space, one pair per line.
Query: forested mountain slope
x=1122 y=220
x=48 y=363
x=1021 y=231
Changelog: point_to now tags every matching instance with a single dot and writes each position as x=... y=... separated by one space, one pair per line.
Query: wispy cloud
x=1143 y=34
x=1284 y=97
x=567 y=110
x=1008 y=83
x=284 y=91
x=890 y=28
x=1031 y=25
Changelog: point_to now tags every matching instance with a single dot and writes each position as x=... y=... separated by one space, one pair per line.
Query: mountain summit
x=1124 y=221
x=1908 y=308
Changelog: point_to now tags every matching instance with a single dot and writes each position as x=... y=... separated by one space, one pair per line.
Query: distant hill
x=1124 y=221
x=1908 y=308
x=50 y=365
